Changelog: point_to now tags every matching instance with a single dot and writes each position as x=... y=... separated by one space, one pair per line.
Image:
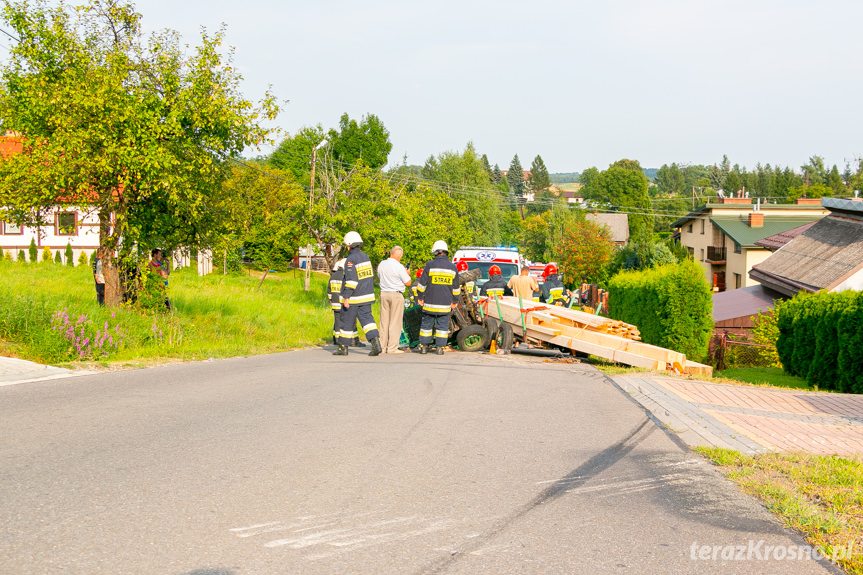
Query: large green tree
x=623 y=187
x=115 y=121
x=463 y=176
x=366 y=141
x=515 y=177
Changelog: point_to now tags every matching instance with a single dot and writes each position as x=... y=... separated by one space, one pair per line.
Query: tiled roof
x=618 y=224
x=776 y=241
x=820 y=258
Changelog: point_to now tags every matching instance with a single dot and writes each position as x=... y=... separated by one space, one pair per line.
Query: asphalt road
x=305 y=463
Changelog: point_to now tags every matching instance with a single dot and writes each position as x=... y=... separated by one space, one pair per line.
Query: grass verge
x=48 y=313
x=818 y=496
x=765 y=376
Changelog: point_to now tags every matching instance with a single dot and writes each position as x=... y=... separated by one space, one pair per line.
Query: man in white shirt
x=393 y=279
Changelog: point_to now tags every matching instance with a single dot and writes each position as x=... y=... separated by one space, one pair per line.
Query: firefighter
x=334 y=292
x=358 y=295
x=438 y=291
x=469 y=287
x=495 y=286
x=552 y=290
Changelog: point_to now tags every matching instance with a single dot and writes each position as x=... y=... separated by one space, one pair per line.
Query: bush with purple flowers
x=87 y=340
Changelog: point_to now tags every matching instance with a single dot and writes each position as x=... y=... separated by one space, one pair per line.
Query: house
x=76 y=226
x=827 y=256
x=734 y=311
x=723 y=236
x=617 y=224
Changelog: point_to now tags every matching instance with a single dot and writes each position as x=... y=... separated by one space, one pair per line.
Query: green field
x=213 y=316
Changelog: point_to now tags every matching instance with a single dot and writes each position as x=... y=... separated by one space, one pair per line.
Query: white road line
x=258 y=526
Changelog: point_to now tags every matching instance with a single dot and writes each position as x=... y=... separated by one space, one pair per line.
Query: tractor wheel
x=472 y=338
x=504 y=337
x=492 y=326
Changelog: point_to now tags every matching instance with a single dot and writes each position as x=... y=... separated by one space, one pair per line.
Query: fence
x=726 y=352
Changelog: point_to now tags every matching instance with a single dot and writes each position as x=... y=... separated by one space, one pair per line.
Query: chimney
x=756 y=219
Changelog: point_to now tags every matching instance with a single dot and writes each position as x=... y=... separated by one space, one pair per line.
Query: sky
x=579 y=83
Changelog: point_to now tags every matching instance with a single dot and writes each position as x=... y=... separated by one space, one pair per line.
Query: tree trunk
x=106 y=251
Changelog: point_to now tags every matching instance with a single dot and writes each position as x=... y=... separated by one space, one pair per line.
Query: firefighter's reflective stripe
x=420 y=288
x=348 y=334
x=431 y=308
x=442 y=276
x=455 y=290
x=357 y=299
x=433 y=331
x=351 y=284
x=556 y=292
x=364 y=270
x=336 y=306
x=369 y=327
x=426 y=332
x=494 y=292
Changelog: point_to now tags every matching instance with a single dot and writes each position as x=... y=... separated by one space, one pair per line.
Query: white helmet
x=340 y=265
x=352 y=238
x=440 y=246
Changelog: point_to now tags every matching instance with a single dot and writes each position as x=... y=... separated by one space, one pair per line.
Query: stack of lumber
x=592 y=334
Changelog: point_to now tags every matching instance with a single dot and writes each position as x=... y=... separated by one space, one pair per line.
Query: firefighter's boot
x=342 y=350
x=358 y=343
x=376 y=347
x=424 y=348
x=439 y=350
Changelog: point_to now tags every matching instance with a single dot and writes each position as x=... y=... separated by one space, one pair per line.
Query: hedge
x=821 y=339
x=671 y=305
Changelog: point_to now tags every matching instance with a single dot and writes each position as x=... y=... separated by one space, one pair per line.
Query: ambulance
x=507 y=259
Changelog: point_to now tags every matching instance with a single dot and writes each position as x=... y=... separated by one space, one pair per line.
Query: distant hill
x=564 y=178
x=573 y=177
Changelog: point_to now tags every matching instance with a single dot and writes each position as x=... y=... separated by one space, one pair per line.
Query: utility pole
x=311 y=195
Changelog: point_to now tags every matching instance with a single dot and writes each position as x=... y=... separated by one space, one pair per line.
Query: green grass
x=772 y=376
x=819 y=496
x=214 y=316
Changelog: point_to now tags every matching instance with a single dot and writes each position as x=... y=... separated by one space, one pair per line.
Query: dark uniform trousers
x=348 y=327
x=437 y=325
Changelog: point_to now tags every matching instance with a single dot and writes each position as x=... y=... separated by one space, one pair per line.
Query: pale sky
x=580 y=83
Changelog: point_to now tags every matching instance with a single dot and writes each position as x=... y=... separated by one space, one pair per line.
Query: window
x=702 y=226
x=737 y=249
x=737 y=280
x=702 y=254
x=11 y=229
x=67 y=224
x=690 y=228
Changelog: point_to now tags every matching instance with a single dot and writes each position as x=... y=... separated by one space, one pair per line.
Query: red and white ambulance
x=507 y=259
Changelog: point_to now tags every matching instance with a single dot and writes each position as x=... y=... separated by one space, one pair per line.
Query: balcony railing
x=715 y=254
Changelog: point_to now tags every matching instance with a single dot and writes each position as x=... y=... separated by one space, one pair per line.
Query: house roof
x=776 y=241
x=739 y=230
x=618 y=224
x=743 y=302
x=822 y=257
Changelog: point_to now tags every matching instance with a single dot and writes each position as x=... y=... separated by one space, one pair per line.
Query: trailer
x=574 y=330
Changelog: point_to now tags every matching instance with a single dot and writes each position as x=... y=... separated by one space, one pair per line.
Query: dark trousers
x=348 y=326
x=100 y=294
x=437 y=325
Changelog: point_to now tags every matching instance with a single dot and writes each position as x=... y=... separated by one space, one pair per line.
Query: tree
x=138 y=129
x=539 y=180
x=34 y=251
x=367 y=141
x=463 y=176
x=515 y=177
x=584 y=252
x=70 y=255
x=294 y=153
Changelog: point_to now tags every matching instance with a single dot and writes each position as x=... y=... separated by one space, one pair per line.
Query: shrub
x=820 y=338
x=34 y=251
x=7 y=256
x=58 y=259
x=671 y=305
x=765 y=332
x=83 y=260
x=21 y=256
x=70 y=256
x=47 y=256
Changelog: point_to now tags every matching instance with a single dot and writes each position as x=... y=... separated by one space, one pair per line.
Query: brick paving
x=784 y=420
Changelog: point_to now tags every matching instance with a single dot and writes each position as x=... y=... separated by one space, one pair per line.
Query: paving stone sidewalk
x=14 y=371
x=752 y=419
